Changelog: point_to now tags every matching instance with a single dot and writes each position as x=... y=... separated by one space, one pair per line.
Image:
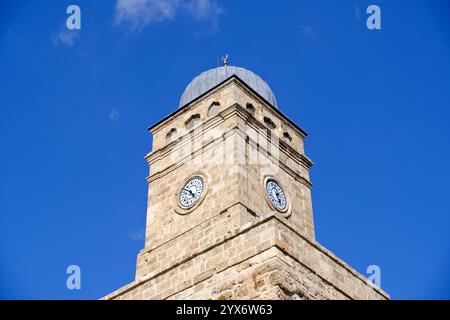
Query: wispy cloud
x=136 y=235
x=65 y=36
x=204 y=9
x=307 y=30
x=357 y=12
x=140 y=13
x=114 y=115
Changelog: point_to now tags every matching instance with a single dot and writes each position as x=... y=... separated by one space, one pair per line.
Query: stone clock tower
x=229 y=203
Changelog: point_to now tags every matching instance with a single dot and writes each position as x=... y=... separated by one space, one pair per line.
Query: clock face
x=191 y=192
x=276 y=195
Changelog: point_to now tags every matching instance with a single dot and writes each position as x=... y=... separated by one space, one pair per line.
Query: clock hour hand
x=189 y=193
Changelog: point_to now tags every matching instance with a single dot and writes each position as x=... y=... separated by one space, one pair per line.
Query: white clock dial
x=276 y=195
x=191 y=192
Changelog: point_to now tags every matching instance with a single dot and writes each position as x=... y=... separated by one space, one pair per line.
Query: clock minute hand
x=275 y=195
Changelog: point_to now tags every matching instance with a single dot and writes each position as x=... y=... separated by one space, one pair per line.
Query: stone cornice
x=272 y=217
x=232 y=79
x=234 y=110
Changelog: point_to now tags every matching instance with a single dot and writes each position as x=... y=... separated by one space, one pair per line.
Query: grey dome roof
x=209 y=79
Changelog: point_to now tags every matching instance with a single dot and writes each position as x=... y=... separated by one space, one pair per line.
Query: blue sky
x=75 y=106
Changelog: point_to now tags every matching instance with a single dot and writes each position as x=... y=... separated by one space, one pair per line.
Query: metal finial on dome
x=225 y=60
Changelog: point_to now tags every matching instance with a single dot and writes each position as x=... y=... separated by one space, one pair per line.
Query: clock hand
x=275 y=195
x=188 y=193
x=279 y=199
x=278 y=196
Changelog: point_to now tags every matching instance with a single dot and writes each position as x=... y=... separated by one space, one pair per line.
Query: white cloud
x=114 y=115
x=136 y=235
x=65 y=37
x=307 y=30
x=204 y=9
x=140 y=13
